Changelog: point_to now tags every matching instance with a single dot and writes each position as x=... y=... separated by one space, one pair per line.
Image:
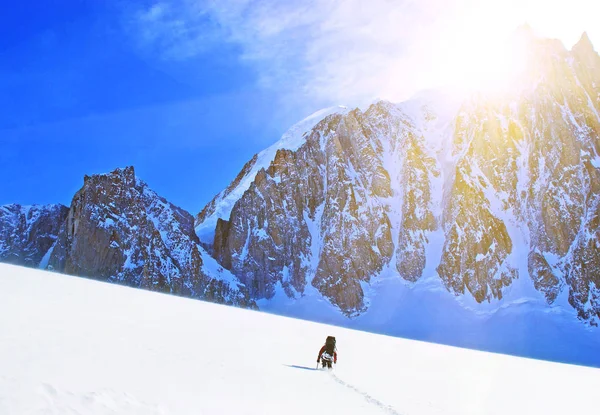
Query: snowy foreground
x=75 y=346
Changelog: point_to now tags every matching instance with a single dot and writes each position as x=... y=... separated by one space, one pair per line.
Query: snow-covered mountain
x=75 y=346
x=28 y=232
x=220 y=206
x=496 y=198
x=119 y=230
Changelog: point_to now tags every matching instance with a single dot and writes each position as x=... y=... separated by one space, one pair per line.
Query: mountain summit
x=117 y=229
x=496 y=200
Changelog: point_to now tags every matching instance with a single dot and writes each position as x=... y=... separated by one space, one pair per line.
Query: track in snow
x=386 y=408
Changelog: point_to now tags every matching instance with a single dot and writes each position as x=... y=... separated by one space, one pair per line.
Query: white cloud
x=350 y=50
x=174 y=30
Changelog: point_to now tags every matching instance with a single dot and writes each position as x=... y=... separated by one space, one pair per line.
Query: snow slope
x=525 y=326
x=75 y=346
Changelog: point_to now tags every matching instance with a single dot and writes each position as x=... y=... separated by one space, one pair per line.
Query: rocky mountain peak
x=124 y=177
x=585 y=55
x=118 y=229
x=491 y=198
x=584 y=44
x=222 y=204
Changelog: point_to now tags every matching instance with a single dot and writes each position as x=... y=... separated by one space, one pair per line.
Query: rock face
x=496 y=190
x=315 y=211
x=337 y=210
x=222 y=204
x=28 y=232
x=119 y=230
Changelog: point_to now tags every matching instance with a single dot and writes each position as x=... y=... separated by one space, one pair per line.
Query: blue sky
x=78 y=96
x=188 y=90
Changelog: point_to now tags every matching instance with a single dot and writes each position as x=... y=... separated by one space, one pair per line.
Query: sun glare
x=483 y=65
x=481 y=50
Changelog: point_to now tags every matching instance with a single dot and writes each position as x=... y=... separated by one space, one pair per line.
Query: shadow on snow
x=301 y=367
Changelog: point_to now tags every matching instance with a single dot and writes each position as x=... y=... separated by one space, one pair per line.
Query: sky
x=187 y=91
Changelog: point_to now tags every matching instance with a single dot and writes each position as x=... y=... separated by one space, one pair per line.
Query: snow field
x=76 y=346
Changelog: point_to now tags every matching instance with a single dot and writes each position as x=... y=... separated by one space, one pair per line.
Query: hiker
x=328 y=353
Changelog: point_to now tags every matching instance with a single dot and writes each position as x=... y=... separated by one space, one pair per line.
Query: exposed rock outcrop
x=119 y=230
x=27 y=233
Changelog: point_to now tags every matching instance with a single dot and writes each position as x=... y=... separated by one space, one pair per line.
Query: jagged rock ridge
x=494 y=191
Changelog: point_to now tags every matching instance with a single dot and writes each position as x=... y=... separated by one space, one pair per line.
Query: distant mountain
x=492 y=197
x=119 y=230
x=28 y=232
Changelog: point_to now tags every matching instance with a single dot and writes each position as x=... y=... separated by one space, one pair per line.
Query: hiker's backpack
x=330 y=345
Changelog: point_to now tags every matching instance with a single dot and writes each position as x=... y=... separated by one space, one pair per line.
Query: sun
x=485 y=65
x=482 y=48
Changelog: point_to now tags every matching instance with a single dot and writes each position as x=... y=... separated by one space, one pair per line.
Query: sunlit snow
x=75 y=346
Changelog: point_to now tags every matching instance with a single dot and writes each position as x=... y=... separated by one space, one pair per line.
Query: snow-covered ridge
x=440 y=104
x=222 y=203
